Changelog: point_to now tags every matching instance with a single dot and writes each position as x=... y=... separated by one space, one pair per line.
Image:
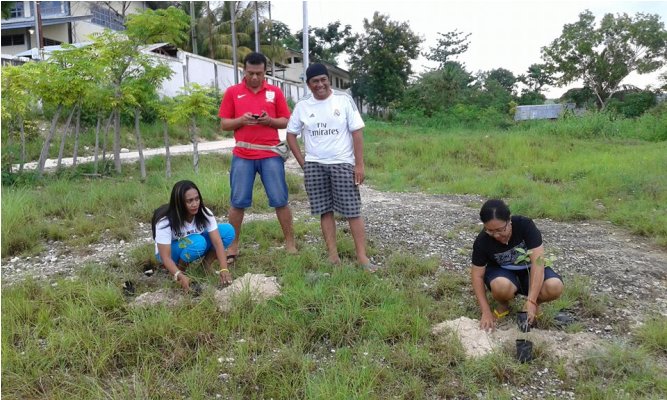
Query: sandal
x=231 y=259
x=501 y=315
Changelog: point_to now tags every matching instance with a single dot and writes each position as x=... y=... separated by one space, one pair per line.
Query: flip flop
x=501 y=315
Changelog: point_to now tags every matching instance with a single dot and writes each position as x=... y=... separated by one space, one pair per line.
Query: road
x=217 y=146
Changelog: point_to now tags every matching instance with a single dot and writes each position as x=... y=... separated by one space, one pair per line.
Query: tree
x=164 y=25
x=537 y=77
x=438 y=90
x=123 y=61
x=140 y=92
x=6 y=8
x=16 y=102
x=603 y=56
x=531 y=97
x=504 y=77
x=325 y=44
x=380 y=64
x=449 y=45
x=194 y=102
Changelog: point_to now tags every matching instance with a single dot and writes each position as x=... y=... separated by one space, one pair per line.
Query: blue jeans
x=242 y=178
x=193 y=247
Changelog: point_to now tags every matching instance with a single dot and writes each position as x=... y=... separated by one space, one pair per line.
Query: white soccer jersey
x=326 y=127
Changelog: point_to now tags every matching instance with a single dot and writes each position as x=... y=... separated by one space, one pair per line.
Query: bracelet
x=176 y=275
x=223 y=270
x=531 y=301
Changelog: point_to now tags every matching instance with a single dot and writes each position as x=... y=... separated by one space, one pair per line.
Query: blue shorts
x=520 y=278
x=242 y=178
x=193 y=247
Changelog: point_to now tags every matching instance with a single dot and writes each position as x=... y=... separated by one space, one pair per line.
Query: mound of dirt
x=260 y=287
x=477 y=342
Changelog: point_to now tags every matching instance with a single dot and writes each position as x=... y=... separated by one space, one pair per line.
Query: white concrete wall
x=203 y=71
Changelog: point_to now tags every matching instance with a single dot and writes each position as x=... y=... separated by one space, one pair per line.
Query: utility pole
x=39 y=36
x=256 y=27
x=234 y=57
x=192 y=27
x=305 y=45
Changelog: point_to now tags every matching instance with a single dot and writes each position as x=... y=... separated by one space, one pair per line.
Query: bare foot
x=334 y=261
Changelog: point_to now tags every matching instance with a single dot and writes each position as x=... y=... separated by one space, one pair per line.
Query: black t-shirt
x=489 y=252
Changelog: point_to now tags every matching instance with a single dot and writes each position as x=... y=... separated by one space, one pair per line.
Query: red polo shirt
x=238 y=100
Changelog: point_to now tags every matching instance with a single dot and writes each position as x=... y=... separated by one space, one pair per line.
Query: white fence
x=191 y=68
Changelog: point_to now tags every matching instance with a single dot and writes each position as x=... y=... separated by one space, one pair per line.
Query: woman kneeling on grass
x=494 y=264
x=185 y=231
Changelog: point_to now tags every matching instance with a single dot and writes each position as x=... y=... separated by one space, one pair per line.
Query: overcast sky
x=504 y=34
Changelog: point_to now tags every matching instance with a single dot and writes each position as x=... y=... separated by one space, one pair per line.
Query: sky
x=504 y=34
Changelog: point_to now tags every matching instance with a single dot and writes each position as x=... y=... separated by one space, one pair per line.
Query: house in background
x=543 y=111
x=62 y=22
x=293 y=71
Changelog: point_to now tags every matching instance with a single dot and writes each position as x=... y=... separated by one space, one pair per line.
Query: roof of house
x=16 y=23
x=544 y=111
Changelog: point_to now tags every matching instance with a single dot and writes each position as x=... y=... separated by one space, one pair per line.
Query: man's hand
x=264 y=119
x=249 y=119
x=359 y=174
x=488 y=322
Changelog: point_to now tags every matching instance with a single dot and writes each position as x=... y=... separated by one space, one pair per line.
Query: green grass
x=333 y=333
x=544 y=170
x=83 y=210
x=653 y=335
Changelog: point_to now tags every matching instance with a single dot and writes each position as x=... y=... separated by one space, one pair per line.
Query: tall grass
x=574 y=169
x=73 y=208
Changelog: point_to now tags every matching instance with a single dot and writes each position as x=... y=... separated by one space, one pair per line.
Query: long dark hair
x=494 y=209
x=176 y=210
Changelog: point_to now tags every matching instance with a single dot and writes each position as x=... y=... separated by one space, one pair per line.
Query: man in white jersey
x=333 y=165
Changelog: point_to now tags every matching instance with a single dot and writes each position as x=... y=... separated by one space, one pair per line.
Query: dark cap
x=316 y=70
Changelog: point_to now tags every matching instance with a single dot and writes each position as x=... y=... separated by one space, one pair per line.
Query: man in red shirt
x=255 y=111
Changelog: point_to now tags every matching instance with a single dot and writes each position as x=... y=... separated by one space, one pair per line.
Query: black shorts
x=520 y=278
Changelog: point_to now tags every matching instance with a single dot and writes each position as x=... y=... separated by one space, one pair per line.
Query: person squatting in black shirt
x=495 y=266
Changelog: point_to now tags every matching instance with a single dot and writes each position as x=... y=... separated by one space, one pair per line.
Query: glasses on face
x=496 y=232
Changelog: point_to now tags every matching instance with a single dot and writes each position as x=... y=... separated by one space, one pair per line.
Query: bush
x=632 y=105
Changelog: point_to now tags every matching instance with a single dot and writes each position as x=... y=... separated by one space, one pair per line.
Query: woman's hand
x=184 y=281
x=488 y=322
x=225 y=277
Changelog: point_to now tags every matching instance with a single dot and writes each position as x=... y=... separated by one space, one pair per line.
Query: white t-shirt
x=326 y=126
x=164 y=234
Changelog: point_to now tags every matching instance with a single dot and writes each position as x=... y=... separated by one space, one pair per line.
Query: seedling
x=524 y=256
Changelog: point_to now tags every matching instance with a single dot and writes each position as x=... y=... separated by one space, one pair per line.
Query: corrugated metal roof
x=544 y=111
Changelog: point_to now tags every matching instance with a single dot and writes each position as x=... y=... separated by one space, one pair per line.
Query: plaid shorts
x=331 y=187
